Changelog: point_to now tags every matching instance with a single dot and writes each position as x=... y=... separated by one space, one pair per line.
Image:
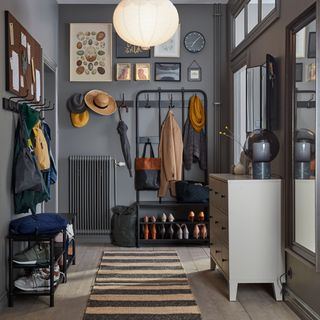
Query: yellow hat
x=197 y=115
x=101 y=102
x=79 y=120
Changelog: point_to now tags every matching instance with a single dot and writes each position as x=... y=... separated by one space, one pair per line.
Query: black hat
x=76 y=104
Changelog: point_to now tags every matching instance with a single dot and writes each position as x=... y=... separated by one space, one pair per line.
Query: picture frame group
x=142 y=72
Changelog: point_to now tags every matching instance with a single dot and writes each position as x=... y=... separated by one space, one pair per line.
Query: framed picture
x=167 y=71
x=142 y=72
x=90 y=52
x=312 y=45
x=123 y=71
x=194 y=71
x=171 y=48
x=127 y=50
x=299 y=72
x=312 y=72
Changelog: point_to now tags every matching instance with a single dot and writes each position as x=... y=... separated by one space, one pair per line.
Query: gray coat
x=195 y=147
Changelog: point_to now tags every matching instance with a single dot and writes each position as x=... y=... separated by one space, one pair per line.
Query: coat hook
x=147 y=105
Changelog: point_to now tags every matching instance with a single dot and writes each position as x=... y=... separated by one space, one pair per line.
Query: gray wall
x=100 y=136
x=305 y=282
x=40 y=18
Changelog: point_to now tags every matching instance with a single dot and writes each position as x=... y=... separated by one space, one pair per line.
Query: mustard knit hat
x=79 y=120
x=196 y=113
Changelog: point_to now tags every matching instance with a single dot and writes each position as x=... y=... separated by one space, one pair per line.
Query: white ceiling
x=117 y=1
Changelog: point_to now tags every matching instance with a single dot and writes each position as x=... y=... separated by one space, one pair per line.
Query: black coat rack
x=170 y=104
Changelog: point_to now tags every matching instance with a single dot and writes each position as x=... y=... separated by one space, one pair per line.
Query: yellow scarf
x=196 y=113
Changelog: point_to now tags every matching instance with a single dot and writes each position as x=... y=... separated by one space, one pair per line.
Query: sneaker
x=39 y=253
x=35 y=282
x=45 y=273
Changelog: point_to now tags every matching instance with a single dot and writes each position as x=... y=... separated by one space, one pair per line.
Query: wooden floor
x=209 y=287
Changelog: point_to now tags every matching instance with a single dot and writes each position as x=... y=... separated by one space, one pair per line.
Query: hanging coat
x=125 y=145
x=170 y=152
x=28 y=199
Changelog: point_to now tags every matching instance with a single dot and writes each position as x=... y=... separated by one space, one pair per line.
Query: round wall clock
x=194 y=41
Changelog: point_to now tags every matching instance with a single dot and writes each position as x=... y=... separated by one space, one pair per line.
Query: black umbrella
x=125 y=145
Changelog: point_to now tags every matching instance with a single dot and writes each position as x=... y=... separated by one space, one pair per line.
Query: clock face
x=194 y=41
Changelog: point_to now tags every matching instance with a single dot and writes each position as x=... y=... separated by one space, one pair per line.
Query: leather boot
x=146 y=232
x=196 y=232
x=179 y=233
x=153 y=232
x=162 y=231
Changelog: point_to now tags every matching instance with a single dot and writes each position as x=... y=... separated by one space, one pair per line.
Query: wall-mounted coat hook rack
x=11 y=103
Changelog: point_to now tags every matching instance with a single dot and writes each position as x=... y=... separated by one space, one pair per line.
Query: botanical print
x=143 y=71
x=90 y=52
x=123 y=71
x=171 y=48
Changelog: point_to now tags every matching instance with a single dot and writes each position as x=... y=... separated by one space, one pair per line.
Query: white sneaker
x=39 y=280
x=33 y=283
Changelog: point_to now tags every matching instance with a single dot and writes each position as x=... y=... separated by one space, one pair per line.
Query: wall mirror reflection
x=304 y=137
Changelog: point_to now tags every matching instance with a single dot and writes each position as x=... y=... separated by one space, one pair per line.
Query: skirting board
x=100 y=239
x=299 y=306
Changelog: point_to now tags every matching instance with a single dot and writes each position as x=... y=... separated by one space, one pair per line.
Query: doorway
x=50 y=96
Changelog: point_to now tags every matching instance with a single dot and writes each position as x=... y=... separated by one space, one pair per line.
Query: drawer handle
x=211 y=217
x=223 y=228
x=224 y=260
x=216 y=222
x=210 y=190
x=218 y=251
x=216 y=192
x=211 y=243
x=223 y=196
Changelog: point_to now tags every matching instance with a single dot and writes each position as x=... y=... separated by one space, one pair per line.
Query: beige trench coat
x=170 y=152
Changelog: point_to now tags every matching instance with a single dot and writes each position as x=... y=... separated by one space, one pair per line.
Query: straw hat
x=79 y=120
x=100 y=102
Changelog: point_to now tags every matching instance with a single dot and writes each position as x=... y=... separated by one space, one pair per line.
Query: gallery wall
x=100 y=137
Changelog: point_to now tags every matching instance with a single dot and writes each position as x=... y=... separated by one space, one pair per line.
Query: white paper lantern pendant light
x=145 y=23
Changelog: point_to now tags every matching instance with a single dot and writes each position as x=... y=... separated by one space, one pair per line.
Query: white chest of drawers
x=245 y=227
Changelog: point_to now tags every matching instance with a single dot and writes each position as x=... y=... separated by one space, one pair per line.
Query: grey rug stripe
x=162 y=292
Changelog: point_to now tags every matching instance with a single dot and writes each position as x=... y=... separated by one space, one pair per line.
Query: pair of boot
x=183 y=232
x=200 y=231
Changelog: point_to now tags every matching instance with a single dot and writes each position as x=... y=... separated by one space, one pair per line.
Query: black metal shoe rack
x=57 y=250
x=164 y=100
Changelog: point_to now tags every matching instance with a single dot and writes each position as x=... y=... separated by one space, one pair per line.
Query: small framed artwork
x=171 y=48
x=194 y=71
x=123 y=71
x=142 y=72
x=312 y=72
x=299 y=72
x=312 y=45
x=127 y=50
x=91 y=52
x=167 y=72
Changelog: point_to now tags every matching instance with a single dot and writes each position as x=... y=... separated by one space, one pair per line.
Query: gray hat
x=76 y=104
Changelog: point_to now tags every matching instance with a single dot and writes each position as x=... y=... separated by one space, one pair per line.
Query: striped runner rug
x=141 y=285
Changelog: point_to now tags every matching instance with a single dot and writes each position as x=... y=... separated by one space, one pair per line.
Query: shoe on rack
x=35 y=282
x=179 y=232
x=170 y=217
x=45 y=273
x=163 y=217
x=38 y=254
x=196 y=232
x=185 y=231
x=153 y=219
